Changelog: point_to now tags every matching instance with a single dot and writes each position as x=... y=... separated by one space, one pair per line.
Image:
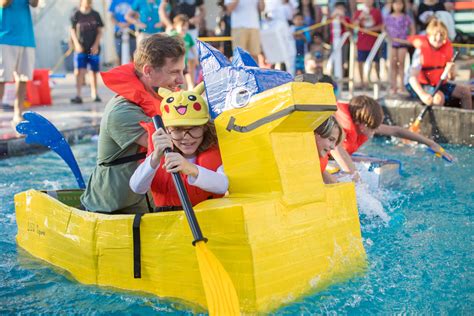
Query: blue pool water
x=419 y=261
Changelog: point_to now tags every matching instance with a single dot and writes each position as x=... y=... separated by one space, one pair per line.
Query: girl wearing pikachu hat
x=192 y=137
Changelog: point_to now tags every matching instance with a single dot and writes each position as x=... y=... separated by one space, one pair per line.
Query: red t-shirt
x=364 y=40
x=353 y=139
x=343 y=28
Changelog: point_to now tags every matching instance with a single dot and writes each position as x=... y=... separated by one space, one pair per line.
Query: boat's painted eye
x=240 y=97
x=192 y=97
x=169 y=100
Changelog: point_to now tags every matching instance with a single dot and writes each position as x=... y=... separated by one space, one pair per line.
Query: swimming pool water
x=419 y=261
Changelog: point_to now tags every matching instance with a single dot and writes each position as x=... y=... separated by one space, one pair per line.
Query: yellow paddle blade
x=220 y=293
x=415 y=127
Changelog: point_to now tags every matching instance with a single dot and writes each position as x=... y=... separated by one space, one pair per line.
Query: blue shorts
x=447 y=90
x=81 y=60
x=362 y=56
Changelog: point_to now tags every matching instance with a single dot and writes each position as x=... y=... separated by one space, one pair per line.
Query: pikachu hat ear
x=199 y=89
x=163 y=92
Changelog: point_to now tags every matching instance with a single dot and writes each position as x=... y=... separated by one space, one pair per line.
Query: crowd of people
x=165 y=59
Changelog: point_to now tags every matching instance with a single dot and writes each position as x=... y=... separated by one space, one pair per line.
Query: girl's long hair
x=325 y=129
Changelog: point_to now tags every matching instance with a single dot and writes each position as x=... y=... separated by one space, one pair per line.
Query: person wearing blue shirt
x=17 y=49
x=117 y=10
x=145 y=15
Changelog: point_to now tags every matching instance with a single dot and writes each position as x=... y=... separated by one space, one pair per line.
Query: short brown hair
x=155 y=49
x=436 y=25
x=366 y=110
x=180 y=19
x=325 y=129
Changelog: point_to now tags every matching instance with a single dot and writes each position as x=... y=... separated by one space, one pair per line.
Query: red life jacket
x=323 y=162
x=432 y=60
x=124 y=81
x=162 y=187
x=353 y=139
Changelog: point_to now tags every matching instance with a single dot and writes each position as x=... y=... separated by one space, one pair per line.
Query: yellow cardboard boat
x=280 y=233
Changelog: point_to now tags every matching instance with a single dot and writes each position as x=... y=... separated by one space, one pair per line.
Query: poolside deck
x=80 y=122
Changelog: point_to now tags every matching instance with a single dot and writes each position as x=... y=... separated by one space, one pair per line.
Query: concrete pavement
x=76 y=121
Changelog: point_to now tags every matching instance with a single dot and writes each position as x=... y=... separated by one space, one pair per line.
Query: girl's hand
x=161 y=141
x=426 y=98
x=175 y=162
x=440 y=150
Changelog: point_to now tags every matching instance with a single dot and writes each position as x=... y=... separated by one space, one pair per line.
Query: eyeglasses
x=179 y=133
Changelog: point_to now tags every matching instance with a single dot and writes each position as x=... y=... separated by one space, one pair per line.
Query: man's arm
x=343 y=159
x=34 y=3
x=143 y=140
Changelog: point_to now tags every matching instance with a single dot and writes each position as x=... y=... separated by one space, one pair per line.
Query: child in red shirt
x=370 y=19
x=360 y=119
x=436 y=54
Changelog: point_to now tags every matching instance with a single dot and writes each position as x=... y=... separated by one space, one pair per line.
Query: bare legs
x=397 y=67
x=93 y=77
x=18 y=104
x=80 y=76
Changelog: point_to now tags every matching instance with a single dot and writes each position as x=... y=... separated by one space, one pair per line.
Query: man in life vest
x=360 y=119
x=436 y=53
x=158 y=62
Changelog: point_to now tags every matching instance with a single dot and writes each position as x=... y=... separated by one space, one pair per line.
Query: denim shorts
x=363 y=54
x=447 y=89
x=81 y=60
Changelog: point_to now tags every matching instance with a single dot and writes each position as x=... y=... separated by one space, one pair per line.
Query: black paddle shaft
x=440 y=82
x=183 y=194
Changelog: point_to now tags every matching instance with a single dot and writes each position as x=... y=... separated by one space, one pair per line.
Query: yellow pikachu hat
x=184 y=108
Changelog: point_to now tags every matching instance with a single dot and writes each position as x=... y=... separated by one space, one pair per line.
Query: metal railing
x=368 y=63
x=346 y=38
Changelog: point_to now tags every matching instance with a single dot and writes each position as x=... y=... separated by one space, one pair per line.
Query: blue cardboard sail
x=231 y=84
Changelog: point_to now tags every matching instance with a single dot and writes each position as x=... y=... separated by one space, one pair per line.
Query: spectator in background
x=223 y=29
x=180 y=28
x=147 y=16
x=17 y=50
x=436 y=53
x=339 y=13
x=312 y=13
x=195 y=12
x=316 y=48
x=193 y=9
x=301 y=40
x=245 y=25
x=368 y=18
x=427 y=8
x=398 y=25
x=86 y=32
x=117 y=10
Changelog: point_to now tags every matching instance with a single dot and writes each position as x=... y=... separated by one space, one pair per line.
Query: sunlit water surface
x=418 y=237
